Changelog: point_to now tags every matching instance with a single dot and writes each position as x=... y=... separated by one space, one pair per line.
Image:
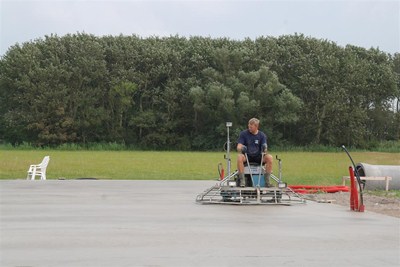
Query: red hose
x=312 y=189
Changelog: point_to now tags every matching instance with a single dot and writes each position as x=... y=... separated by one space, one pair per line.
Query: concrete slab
x=157 y=223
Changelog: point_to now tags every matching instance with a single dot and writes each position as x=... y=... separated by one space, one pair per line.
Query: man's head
x=253 y=125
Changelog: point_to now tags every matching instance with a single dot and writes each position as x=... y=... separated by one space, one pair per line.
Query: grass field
x=318 y=168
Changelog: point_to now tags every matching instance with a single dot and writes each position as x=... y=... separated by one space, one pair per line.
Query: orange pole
x=354 y=191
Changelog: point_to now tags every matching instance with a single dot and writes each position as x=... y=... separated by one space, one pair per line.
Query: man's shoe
x=242 y=180
x=267 y=179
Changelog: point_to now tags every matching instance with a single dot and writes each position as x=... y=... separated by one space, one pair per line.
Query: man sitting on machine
x=253 y=143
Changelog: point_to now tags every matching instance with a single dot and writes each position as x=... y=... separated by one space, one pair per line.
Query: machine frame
x=228 y=191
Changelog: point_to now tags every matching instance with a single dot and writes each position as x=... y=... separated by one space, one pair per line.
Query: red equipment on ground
x=312 y=189
x=354 y=201
x=221 y=171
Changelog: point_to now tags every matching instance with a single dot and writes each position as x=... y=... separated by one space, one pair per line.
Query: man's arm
x=241 y=142
x=264 y=146
x=239 y=147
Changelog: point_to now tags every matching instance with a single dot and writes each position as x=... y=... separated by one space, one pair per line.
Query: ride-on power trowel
x=255 y=191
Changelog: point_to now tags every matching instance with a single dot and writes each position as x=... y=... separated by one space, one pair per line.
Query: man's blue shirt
x=253 y=142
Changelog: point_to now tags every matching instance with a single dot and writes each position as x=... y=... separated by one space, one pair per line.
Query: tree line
x=177 y=93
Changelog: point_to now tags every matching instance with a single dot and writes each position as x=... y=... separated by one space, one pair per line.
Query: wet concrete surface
x=158 y=223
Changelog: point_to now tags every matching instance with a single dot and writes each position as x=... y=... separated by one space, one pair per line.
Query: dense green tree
x=229 y=93
x=338 y=87
x=177 y=93
x=61 y=81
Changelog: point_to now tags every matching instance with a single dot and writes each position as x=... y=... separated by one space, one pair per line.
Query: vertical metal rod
x=228 y=148
x=259 y=174
x=280 y=168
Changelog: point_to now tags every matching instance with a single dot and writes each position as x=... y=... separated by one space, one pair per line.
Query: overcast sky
x=357 y=22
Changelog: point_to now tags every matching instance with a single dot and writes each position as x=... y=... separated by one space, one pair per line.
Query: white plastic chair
x=38 y=169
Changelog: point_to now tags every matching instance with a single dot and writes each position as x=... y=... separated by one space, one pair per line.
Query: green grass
x=383 y=193
x=317 y=168
x=112 y=164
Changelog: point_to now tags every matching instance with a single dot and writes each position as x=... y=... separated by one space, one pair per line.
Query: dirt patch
x=383 y=205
